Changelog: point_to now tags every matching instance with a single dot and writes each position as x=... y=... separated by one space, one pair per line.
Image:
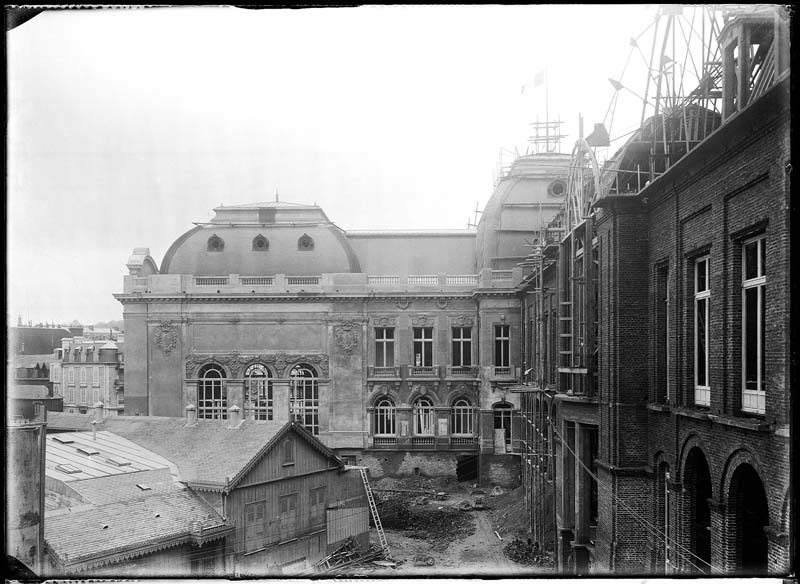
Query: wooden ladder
x=372 y=507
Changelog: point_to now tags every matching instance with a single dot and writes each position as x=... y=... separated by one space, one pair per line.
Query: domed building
x=397 y=348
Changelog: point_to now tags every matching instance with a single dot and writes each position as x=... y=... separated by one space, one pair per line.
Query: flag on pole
x=538 y=79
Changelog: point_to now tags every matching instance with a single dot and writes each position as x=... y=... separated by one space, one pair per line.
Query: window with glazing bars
x=258 y=390
x=384 y=347
x=754 y=285
x=702 y=298
x=212 y=399
x=304 y=397
x=502 y=347
x=462 y=346
x=385 y=414
x=461 y=417
x=423 y=346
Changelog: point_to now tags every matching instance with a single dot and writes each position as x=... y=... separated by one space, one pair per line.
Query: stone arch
x=424 y=390
x=747 y=512
x=692 y=440
x=740 y=456
x=698 y=491
x=380 y=391
x=465 y=392
x=194 y=367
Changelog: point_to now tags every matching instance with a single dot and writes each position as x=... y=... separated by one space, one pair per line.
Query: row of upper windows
x=69 y=374
x=260 y=243
x=423 y=346
x=753 y=310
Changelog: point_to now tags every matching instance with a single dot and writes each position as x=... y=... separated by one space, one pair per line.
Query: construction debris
x=497 y=491
x=349 y=556
x=423 y=561
x=527 y=553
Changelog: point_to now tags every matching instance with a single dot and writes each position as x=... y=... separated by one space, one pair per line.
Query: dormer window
x=260 y=243
x=305 y=243
x=215 y=243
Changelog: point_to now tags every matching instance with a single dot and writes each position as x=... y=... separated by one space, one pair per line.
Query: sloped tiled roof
x=209 y=454
x=111 y=532
x=122 y=487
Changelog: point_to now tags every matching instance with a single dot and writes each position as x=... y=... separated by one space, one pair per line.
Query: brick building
x=657 y=417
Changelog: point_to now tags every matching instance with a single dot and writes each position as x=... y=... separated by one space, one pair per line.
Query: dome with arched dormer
x=262 y=239
x=526 y=198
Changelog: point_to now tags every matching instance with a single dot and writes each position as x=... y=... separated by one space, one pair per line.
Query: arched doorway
x=748 y=503
x=697 y=481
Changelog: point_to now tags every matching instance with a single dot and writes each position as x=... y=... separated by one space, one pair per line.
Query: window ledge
x=658 y=407
x=691 y=413
x=753 y=424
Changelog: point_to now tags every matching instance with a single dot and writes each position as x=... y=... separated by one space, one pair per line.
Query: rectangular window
x=71 y=395
x=702 y=298
x=56 y=369
x=83 y=395
x=423 y=346
x=255 y=526
x=83 y=375
x=316 y=503
x=462 y=346
x=56 y=389
x=287 y=515
x=72 y=375
x=95 y=375
x=501 y=345
x=384 y=347
x=662 y=334
x=754 y=283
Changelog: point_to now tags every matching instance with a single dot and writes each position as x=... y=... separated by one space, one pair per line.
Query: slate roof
x=117 y=531
x=33 y=360
x=209 y=454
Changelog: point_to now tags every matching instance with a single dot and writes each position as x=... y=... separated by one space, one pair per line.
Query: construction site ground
x=439 y=538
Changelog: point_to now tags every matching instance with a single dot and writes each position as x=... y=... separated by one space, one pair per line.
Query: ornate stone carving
x=442 y=302
x=423 y=320
x=165 y=337
x=462 y=320
x=403 y=304
x=384 y=320
x=347 y=336
x=235 y=362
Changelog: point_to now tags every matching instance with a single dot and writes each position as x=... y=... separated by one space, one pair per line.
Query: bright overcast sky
x=125 y=126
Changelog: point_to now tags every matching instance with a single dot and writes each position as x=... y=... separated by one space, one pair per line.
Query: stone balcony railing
x=462 y=371
x=391 y=372
x=321 y=283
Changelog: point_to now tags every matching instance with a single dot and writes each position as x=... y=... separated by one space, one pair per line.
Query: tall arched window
x=304 y=397
x=212 y=399
x=461 y=417
x=385 y=414
x=424 y=417
x=502 y=419
x=258 y=391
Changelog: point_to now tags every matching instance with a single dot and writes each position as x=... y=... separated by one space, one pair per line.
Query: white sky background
x=127 y=125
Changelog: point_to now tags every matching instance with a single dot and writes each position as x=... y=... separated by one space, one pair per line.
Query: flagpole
x=546 y=114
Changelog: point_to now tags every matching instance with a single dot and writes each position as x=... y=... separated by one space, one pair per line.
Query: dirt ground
x=471 y=549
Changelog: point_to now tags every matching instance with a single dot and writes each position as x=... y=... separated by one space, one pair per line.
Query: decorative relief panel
x=442 y=302
x=403 y=303
x=423 y=320
x=281 y=362
x=165 y=337
x=347 y=336
x=384 y=320
x=462 y=320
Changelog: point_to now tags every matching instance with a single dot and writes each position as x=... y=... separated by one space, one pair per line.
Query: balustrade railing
x=210 y=280
x=423 y=440
x=384 y=440
x=423 y=280
x=383 y=371
x=423 y=371
x=463 y=440
x=302 y=280
x=383 y=280
x=462 y=280
x=502 y=371
x=502 y=275
x=462 y=371
x=257 y=280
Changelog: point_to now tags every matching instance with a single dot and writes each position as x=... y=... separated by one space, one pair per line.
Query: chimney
x=99 y=411
x=233 y=417
x=191 y=415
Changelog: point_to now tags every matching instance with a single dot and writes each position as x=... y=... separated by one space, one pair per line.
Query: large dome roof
x=526 y=199
x=262 y=239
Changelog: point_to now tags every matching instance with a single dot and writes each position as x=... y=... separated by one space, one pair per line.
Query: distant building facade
x=395 y=348
x=89 y=370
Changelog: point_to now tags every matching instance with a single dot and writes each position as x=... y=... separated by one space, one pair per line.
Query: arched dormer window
x=461 y=417
x=305 y=243
x=212 y=398
x=424 y=417
x=216 y=243
x=260 y=243
x=258 y=391
x=304 y=397
x=385 y=414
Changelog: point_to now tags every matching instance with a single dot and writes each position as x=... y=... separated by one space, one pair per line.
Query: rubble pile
x=527 y=553
x=438 y=525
